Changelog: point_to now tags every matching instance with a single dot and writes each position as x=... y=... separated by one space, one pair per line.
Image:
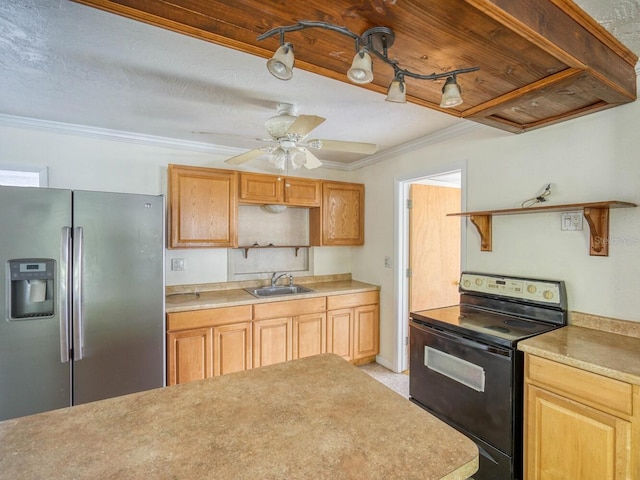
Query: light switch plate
x=177 y=264
x=571 y=221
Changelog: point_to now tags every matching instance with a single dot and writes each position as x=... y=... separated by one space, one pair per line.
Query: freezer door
x=119 y=292
x=33 y=377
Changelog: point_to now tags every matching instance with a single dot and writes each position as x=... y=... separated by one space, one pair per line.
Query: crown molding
x=117 y=135
x=435 y=137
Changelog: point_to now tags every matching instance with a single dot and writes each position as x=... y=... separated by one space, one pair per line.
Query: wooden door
x=340 y=333
x=260 y=188
x=434 y=247
x=202 y=207
x=231 y=348
x=272 y=341
x=366 y=331
x=340 y=220
x=565 y=439
x=309 y=335
x=302 y=192
x=189 y=355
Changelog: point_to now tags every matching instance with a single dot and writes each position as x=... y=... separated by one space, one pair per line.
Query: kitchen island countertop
x=317 y=417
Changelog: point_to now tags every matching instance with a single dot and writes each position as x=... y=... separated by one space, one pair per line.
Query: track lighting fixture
x=375 y=41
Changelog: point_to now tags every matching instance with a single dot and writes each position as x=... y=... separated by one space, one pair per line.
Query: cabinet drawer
x=351 y=300
x=208 y=318
x=290 y=308
x=600 y=392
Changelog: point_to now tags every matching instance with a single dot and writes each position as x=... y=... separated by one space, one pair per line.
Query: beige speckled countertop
x=315 y=418
x=600 y=345
x=184 y=300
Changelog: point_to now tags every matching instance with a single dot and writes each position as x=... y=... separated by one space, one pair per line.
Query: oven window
x=455 y=368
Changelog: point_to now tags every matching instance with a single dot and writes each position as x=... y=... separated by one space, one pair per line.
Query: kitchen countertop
x=317 y=417
x=186 y=301
x=582 y=345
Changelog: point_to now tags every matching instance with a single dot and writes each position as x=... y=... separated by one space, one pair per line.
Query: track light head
x=397 y=92
x=281 y=64
x=451 y=93
x=361 y=68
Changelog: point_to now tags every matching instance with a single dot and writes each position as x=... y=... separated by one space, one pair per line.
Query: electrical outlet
x=571 y=221
x=387 y=262
x=177 y=264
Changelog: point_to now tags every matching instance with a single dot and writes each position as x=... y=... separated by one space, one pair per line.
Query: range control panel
x=539 y=291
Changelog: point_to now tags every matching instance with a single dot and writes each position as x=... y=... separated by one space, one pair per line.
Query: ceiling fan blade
x=245 y=157
x=303 y=124
x=312 y=161
x=350 y=147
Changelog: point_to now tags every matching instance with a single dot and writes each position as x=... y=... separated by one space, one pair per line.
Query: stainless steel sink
x=277 y=291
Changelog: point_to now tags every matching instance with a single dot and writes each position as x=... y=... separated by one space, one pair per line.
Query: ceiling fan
x=288 y=132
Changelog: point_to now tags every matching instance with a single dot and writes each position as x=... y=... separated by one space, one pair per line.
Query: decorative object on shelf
x=287 y=131
x=596 y=214
x=376 y=41
x=539 y=199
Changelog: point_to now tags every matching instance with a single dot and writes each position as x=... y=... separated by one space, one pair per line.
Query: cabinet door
x=565 y=439
x=272 y=341
x=309 y=335
x=340 y=220
x=366 y=331
x=260 y=188
x=231 y=348
x=189 y=355
x=340 y=333
x=302 y=192
x=202 y=207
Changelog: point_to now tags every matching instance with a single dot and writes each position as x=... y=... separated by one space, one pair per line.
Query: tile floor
x=398 y=382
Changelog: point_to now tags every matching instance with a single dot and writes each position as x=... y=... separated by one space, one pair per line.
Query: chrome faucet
x=275 y=278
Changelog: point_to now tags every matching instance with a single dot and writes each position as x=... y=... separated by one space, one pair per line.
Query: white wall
x=587 y=159
x=102 y=164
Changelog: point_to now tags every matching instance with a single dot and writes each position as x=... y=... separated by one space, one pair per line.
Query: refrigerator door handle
x=65 y=293
x=78 y=336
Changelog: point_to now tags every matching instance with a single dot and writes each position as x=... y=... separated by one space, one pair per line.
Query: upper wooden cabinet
x=541 y=62
x=202 y=207
x=340 y=219
x=276 y=189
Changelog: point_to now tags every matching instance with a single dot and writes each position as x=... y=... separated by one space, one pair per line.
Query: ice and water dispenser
x=30 y=288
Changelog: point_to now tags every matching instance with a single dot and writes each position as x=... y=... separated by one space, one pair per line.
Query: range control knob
x=478 y=281
x=531 y=288
x=466 y=283
x=548 y=294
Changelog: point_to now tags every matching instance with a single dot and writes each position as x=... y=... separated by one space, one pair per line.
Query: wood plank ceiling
x=540 y=62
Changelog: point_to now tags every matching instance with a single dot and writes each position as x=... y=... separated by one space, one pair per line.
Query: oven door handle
x=503 y=352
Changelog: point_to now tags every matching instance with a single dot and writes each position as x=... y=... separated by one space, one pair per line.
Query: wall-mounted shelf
x=249 y=247
x=596 y=214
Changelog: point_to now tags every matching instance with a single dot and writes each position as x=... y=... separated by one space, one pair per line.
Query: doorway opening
x=429 y=247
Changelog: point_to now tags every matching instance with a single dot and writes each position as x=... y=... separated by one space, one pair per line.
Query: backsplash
x=256 y=226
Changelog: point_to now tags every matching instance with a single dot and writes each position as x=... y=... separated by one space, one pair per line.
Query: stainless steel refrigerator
x=82 y=298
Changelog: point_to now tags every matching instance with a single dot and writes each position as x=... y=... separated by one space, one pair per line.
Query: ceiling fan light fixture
x=281 y=64
x=451 y=93
x=397 y=92
x=361 y=70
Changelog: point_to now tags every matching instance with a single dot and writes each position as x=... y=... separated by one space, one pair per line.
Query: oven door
x=465 y=382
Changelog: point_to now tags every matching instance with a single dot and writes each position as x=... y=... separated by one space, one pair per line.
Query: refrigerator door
x=33 y=376
x=119 y=339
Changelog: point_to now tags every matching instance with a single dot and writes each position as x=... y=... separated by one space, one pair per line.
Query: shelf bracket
x=598 y=220
x=483 y=225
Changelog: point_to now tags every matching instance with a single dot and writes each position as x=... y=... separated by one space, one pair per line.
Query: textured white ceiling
x=69 y=63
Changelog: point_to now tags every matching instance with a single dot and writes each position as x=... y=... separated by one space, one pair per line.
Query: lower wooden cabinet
x=231 y=348
x=579 y=424
x=212 y=342
x=353 y=325
x=272 y=341
x=189 y=354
